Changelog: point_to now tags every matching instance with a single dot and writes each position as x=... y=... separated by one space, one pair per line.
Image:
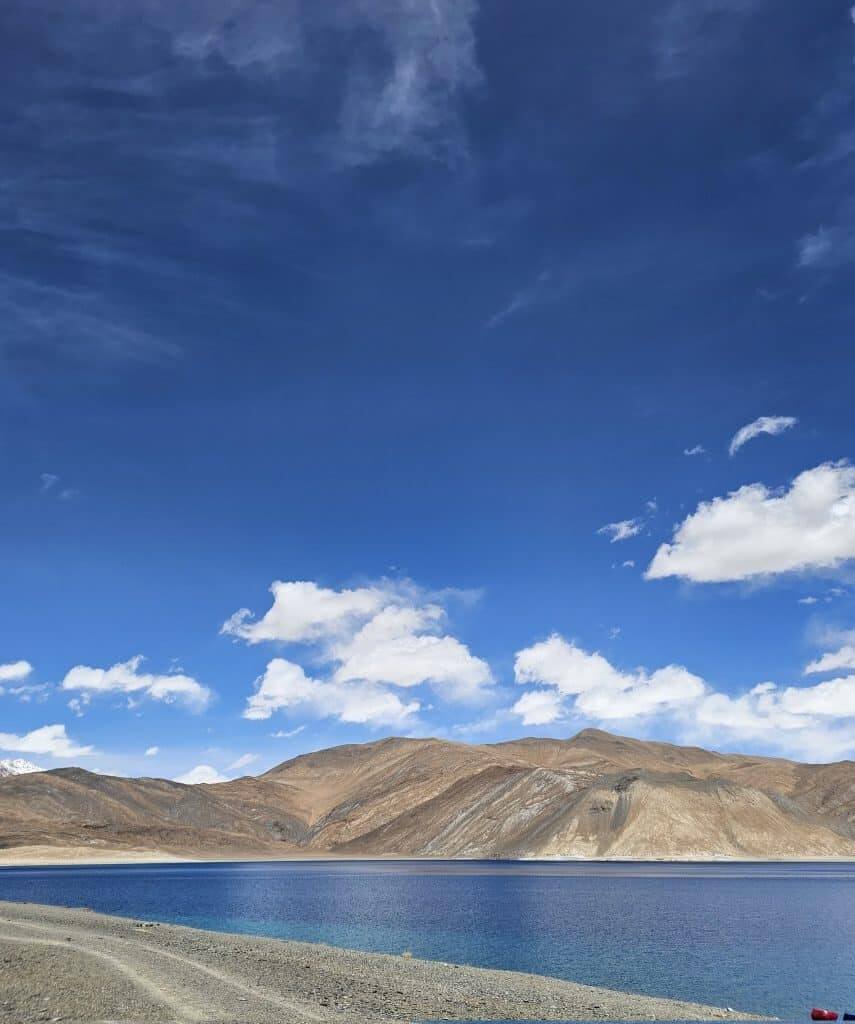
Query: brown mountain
x=595 y=795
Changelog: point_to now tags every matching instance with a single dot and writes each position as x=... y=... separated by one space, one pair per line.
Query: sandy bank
x=78 y=965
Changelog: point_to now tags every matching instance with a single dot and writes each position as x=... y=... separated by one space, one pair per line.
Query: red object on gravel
x=817 y=1014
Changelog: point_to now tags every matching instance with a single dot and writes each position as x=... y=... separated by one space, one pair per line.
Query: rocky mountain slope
x=595 y=795
x=17 y=766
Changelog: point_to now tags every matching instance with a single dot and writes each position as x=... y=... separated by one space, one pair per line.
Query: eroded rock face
x=595 y=795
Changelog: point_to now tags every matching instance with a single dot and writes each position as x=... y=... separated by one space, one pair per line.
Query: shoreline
x=46 y=856
x=75 y=964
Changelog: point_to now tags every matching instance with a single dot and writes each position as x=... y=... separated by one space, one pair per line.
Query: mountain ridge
x=592 y=795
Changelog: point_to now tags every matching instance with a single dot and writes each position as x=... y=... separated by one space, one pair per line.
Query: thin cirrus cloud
x=371 y=640
x=126 y=678
x=756 y=532
x=573 y=684
x=622 y=530
x=51 y=740
x=771 y=425
x=393 y=76
x=243 y=762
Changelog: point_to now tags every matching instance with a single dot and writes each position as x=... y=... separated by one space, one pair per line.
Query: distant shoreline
x=43 y=856
x=85 y=965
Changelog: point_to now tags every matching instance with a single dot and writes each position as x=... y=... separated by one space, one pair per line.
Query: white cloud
x=805 y=721
x=14 y=671
x=628 y=564
x=368 y=638
x=285 y=685
x=152 y=751
x=395 y=648
x=303 y=612
x=808 y=600
x=599 y=690
x=47 y=481
x=242 y=762
x=755 y=532
x=698 y=449
x=762 y=425
x=49 y=739
x=286 y=734
x=539 y=707
x=125 y=678
x=622 y=530
x=834 y=661
x=202 y=773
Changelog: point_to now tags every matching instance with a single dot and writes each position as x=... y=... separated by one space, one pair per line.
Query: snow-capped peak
x=17 y=766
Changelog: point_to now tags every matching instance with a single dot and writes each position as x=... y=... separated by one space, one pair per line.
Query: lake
x=769 y=938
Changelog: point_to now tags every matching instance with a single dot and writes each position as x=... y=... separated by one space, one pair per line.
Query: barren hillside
x=595 y=795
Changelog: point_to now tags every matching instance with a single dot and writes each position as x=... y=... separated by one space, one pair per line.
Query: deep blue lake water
x=770 y=938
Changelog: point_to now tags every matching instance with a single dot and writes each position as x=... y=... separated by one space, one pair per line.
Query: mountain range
x=594 y=795
x=17 y=766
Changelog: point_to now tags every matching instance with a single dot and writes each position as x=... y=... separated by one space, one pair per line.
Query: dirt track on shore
x=75 y=965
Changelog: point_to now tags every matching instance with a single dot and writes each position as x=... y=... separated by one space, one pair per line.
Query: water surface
x=767 y=938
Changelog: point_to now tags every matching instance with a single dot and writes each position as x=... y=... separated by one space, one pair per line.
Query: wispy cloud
x=287 y=734
x=693 y=33
x=622 y=530
x=771 y=425
x=697 y=449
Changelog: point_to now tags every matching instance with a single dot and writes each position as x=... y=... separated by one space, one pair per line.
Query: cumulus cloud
x=394 y=647
x=49 y=739
x=303 y=612
x=285 y=685
x=202 y=773
x=762 y=425
x=368 y=639
x=125 y=677
x=622 y=530
x=15 y=671
x=539 y=707
x=807 y=721
x=755 y=532
x=597 y=689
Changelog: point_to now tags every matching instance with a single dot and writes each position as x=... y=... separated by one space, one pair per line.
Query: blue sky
x=399 y=305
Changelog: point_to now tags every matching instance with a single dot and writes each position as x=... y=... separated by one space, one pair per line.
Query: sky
x=453 y=368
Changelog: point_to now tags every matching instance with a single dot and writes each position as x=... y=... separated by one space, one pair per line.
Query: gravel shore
x=75 y=965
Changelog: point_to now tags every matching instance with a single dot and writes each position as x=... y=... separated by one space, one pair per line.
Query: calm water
x=766 y=938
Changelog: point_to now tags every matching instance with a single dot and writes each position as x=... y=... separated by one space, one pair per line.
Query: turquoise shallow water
x=767 y=938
